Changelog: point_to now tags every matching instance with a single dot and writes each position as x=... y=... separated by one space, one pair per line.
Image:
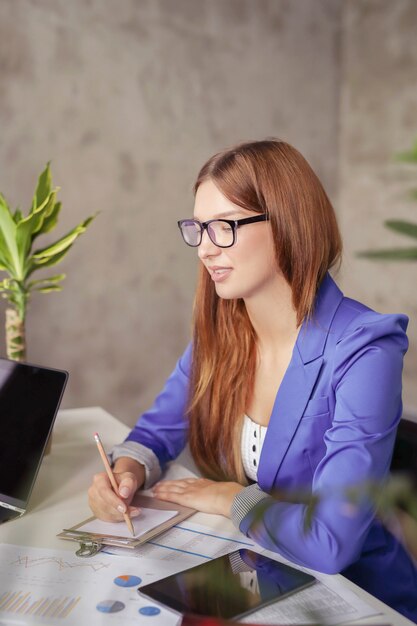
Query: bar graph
x=23 y=603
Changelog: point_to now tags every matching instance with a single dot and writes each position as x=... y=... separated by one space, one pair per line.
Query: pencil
x=112 y=479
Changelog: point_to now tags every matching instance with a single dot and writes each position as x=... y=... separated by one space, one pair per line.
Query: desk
x=59 y=499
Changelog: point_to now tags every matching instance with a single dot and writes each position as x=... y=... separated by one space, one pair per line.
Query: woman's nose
x=207 y=248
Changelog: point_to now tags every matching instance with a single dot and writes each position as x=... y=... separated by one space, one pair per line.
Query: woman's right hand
x=108 y=505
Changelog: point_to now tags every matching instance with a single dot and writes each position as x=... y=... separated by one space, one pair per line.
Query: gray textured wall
x=128 y=99
x=378 y=118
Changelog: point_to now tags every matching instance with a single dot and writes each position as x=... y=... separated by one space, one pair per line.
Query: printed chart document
x=43 y=586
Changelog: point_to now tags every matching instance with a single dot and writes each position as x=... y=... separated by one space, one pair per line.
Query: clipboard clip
x=88 y=547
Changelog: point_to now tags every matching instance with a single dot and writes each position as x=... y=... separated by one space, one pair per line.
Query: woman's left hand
x=202 y=494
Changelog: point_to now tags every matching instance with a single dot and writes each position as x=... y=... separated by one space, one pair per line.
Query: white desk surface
x=59 y=499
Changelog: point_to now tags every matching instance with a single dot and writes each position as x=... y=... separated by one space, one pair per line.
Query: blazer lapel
x=298 y=383
x=290 y=403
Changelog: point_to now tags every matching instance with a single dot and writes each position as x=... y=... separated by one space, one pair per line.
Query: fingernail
x=124 y=492
x=134 y=512
x=121 y=508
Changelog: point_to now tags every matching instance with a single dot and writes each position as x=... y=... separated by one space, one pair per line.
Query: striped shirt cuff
x=244 y=502
x=237 y=564
x=143 y=455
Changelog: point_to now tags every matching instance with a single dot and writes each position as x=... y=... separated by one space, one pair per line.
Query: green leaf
x=51 y=220
x=17 y=354
x=43 y=188
x=391 y=254
x=48 y=289
x=10 y=285
x=400 y=226
x=18 y=215
x=62 y=244
x=45 y=282
x=6 y=263
x=47 y=206
x=52 y=279
x=44 y=211
x=27 y=228
x=45 y=262
x=9 y=256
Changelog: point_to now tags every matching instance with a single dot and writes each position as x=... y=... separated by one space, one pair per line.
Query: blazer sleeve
x=366 y=373
x=163 y=429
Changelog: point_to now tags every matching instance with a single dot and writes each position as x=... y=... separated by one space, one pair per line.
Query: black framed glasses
x=221 y=232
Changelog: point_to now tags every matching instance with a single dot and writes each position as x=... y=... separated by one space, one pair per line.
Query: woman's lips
x=218 y=274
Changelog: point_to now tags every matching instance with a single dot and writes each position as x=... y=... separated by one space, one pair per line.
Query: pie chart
x=127 y=580
x=110 y=606
x=149 y=610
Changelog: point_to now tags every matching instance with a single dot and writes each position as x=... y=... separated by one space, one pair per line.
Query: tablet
x=229 y=587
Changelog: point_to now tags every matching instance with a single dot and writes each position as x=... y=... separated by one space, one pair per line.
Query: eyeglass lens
x=220 y=232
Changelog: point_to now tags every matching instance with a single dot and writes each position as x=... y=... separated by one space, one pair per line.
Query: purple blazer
x=333 y=424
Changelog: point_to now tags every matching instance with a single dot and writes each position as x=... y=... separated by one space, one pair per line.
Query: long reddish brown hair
x=270 y=177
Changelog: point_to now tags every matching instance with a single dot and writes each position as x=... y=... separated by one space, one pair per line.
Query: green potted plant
x=19 y=260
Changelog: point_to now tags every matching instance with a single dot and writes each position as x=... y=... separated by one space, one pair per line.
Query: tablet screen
x=229 y=587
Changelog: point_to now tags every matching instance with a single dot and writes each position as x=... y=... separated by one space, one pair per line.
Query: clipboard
x=91 y=543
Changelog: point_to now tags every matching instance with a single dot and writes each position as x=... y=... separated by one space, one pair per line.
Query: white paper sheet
x=40 y=586
x=316 y=604
x=148 y=519
x=188 y=544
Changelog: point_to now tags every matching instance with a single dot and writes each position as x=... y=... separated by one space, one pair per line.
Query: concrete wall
x=378 y=119
x=127 y=99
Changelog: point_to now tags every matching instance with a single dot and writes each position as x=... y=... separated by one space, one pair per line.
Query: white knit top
x=253 y=437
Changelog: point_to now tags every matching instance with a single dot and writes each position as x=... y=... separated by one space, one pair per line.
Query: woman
x=288 y=386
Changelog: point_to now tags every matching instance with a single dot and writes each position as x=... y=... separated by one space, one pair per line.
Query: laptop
x=30 y=396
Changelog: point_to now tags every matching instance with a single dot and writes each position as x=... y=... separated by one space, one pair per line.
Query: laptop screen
x=29 y=399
